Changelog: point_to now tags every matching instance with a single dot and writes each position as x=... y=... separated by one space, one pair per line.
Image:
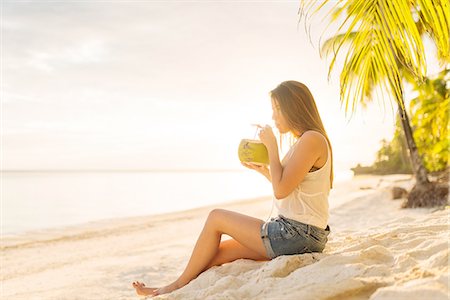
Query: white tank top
x=308 y=202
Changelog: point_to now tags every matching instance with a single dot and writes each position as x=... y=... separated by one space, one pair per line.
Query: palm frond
x=382 y=38
x=435 y=17
x=330 y=45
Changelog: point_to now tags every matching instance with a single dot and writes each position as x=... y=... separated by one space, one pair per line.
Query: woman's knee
x=215 y=216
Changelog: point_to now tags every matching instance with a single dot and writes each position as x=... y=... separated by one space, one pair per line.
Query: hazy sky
x=158 y=84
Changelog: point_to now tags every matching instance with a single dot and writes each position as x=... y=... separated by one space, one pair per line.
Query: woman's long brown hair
x=298 y=107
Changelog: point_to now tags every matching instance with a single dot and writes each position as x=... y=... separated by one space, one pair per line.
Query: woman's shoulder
x=313 y=142
x=315 y=137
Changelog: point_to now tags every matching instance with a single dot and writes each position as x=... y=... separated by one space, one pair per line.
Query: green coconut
x=253 y=151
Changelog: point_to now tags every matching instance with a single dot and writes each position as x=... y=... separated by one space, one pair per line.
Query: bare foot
x=141 y=290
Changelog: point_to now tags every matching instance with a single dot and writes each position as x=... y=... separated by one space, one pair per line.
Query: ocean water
x=38 y=200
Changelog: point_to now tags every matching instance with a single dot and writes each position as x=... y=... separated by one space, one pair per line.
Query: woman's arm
x=306 y=152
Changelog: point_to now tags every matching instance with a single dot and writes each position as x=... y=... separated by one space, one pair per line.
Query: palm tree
x=384 y=41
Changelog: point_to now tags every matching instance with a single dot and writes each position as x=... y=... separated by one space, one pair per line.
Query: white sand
x=375 y=251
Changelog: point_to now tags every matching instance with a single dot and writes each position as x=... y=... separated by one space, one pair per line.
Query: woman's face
x=277 y=116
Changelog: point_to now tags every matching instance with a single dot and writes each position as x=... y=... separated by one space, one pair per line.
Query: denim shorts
x=283 y=236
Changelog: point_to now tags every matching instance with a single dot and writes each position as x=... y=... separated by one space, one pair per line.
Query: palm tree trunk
x=419 y=170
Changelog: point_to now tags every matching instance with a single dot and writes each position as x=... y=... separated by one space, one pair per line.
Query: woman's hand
x=264 y=170
x=267 y=137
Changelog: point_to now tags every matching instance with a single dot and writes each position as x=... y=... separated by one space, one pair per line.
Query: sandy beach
x=376 y=250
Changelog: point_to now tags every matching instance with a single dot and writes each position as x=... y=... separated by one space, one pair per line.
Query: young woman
x=301 y=183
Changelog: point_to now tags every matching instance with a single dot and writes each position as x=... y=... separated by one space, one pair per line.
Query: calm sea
x=37 y=200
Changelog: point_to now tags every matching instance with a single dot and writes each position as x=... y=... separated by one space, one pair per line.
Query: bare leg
x=231 y=250
x=244 y=229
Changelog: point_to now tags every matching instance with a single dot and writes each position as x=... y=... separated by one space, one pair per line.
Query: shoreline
x=358 y=186
x=105 y=227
